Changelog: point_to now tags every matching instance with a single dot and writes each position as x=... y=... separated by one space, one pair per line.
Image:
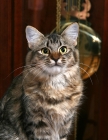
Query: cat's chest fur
x=53 y=103
x=51 y=95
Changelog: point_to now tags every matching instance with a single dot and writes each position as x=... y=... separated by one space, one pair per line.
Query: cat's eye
x=63 y=50
x=45 y=51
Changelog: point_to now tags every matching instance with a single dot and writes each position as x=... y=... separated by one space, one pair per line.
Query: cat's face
x=53 y=54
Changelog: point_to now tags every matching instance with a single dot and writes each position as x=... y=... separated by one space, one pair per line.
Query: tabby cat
x=41 y=103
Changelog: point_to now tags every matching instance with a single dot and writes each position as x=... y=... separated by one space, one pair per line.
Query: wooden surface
x=103 y=121
x=5 y=45
x=99 y=19
x=18 y=33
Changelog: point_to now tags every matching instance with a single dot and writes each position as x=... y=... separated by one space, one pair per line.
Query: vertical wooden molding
x=18 y=36
x=103 y=126
x=5 y=45
x=99 y=20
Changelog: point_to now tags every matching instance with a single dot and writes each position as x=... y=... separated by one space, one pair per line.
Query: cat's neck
x=60 y=85
x=50 y=80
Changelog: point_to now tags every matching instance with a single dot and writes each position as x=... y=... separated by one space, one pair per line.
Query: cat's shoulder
x=14 y=90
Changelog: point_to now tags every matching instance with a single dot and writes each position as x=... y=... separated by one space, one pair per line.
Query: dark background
x=15 y=15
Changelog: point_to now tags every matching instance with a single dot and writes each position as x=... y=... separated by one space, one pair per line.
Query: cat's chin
x=55 y=70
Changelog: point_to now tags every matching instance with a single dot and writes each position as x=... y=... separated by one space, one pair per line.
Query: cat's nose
x=55 y=59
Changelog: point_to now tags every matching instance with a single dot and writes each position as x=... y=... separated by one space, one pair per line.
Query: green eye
x=45 y=51
x=63 y=50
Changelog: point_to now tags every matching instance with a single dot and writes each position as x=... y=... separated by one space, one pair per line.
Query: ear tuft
x=71 y=33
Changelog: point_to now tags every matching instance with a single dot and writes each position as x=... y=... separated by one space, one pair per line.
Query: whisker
x=89 y=67
x=16 y=70
x=88 y=75
x=40 y=71
x=21 y=72
x=85 y=65
x=39 y=67
x=27 y=74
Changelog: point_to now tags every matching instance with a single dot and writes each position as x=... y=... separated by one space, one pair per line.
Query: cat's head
x=53 y=54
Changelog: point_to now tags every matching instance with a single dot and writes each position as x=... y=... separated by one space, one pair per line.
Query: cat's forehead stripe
x=53 y=39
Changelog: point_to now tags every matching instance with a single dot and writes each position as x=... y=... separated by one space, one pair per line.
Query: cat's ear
x=33 y=36
x=71 y=33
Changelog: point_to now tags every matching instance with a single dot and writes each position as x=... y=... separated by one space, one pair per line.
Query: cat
x=41 y=103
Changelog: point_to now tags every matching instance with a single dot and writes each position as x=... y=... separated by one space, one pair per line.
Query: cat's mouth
x=56 y=65
x=54 y=69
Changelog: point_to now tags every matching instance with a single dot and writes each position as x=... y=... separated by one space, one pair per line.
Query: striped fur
x=41 y=103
